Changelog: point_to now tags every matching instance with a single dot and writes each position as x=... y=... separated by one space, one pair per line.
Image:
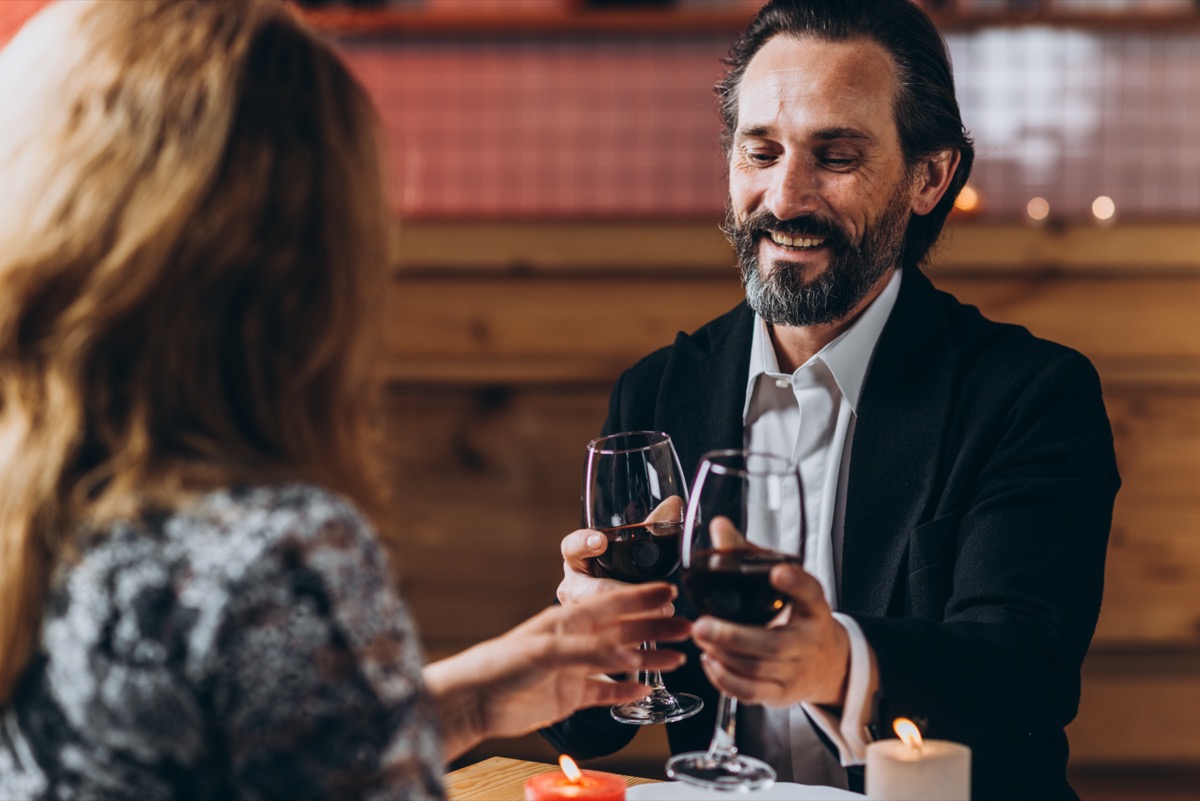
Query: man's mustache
x=763 y=222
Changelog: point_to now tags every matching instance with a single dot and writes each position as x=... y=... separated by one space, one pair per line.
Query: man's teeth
x=797 y=241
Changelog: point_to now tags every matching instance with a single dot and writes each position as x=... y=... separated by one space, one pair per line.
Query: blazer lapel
x=895 y=453
x=705 y=388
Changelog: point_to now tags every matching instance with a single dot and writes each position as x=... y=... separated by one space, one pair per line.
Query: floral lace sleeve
x=316 y=674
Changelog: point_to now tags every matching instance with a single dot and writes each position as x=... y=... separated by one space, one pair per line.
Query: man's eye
x=838 y=161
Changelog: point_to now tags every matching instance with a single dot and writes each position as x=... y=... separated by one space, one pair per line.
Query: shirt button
x=782 y=383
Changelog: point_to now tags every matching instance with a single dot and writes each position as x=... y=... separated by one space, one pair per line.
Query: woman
x=193 y=603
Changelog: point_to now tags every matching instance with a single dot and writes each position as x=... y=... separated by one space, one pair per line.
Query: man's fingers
x=725 y=535
x=580 y=546
x=577 y=587
x=805 y=591
x=720 y=636
x=669 y=510
x=744 y=689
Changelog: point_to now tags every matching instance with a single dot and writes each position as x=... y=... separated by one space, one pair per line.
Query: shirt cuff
x=847 y=727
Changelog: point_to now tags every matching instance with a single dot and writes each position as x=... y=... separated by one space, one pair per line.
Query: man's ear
x=932 y=178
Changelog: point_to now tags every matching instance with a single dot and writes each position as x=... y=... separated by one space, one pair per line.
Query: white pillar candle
x=935 y=770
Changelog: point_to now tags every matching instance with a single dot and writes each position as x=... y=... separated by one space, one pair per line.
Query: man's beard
x=783 y=298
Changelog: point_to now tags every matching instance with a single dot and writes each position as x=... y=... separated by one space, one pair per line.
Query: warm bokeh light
x=1038 y=209
x=1103 y=208
x=968 y=199
x=908 y=732
x=570 y=768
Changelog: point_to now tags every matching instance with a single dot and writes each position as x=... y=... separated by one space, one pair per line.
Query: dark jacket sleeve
x=1004 y=585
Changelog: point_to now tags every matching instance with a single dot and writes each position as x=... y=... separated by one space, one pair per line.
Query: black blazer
x=979 y=499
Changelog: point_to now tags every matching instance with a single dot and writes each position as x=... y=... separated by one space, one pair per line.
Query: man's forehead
x=843 y=75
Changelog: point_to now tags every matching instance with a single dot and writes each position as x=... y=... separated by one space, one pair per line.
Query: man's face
x=819 y=192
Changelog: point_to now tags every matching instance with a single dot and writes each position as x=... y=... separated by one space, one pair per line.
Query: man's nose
x=793 y=190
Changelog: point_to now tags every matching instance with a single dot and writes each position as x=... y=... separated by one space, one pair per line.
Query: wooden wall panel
x=488 y=482
x=1152 y=589
x=1139 y=707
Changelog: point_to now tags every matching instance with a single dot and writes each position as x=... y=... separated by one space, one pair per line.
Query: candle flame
x=907 y=731
x=570 y=768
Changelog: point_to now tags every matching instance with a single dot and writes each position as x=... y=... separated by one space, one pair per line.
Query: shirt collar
x=847 y=357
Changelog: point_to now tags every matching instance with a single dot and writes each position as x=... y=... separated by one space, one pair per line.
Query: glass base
x=660 y=707
x=734 y=773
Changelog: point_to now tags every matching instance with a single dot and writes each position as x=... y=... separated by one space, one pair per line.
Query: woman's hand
x=553 y=664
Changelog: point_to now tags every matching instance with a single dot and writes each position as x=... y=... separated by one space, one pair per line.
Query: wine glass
x=745 y=516
x=634 y=493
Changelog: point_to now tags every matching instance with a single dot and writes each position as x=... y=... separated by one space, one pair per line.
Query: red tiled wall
x=524 y=128
x=615 y=127
x=550 y=128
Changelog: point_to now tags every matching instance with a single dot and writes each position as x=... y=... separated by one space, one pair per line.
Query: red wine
x=640 y=552
x=735 y=584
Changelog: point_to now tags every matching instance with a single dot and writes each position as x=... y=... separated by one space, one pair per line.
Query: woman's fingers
x=669 y=629
x=626 y=600
x=597 y=654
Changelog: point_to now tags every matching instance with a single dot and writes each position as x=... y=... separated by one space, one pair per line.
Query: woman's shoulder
x=227 y=558
x=252 y=611
x=242 y=534
x=264 y=515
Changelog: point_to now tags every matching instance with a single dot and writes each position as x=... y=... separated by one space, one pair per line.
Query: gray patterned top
x=251 y=645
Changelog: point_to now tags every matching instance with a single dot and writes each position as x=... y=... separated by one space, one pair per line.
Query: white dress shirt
x=810 y=416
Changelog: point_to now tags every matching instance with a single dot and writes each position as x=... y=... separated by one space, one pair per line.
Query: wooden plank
x=519 y=248
x=535 y=328
x=562 y=328
x=1138 y=707
x=487 y=482
x=1154 y=551
x=633 y=249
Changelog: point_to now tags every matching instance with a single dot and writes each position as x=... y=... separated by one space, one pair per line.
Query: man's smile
x=796 y=242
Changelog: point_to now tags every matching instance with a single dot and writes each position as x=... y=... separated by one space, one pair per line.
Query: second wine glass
x=745 y=516
x=634 y=493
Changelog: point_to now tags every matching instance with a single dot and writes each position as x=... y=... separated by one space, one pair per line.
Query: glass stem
x=723 y=745
x=652 y=678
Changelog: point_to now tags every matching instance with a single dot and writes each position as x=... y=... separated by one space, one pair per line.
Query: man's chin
x=802 y=270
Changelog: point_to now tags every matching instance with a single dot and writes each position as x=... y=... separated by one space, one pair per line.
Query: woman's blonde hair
x=192 y=242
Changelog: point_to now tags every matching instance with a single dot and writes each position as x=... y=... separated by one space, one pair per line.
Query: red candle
x=573 y=784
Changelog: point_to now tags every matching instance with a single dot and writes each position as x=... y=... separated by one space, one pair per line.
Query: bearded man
x=958 y=474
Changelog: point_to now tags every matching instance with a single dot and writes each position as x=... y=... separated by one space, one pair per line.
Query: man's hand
x=803 y=655
x=578 y=584
x=580 y=547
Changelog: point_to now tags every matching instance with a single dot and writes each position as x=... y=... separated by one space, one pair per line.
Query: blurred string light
x=968 y=199
x=1038 y=209
x=1104 y=209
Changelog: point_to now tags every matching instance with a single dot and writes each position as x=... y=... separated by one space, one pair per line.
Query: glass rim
x=660 y=437
x=785 y=464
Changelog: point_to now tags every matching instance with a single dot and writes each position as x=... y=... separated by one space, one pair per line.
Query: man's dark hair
x=925 y=109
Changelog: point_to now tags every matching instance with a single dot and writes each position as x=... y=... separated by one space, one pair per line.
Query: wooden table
x=501 y=779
